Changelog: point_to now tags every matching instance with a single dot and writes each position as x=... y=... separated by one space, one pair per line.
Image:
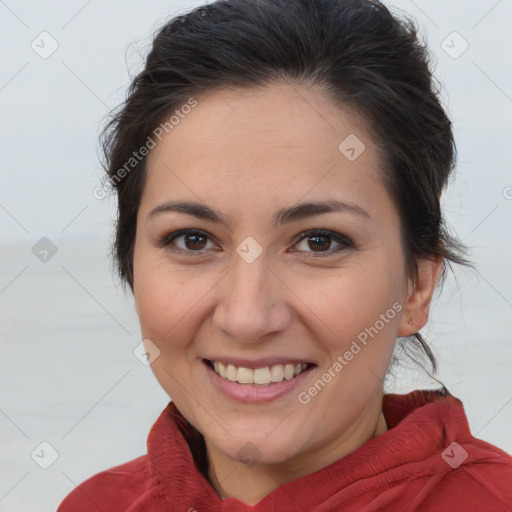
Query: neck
x=231 y=478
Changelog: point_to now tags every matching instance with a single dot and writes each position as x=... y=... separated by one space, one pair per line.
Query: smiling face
x=257 y=289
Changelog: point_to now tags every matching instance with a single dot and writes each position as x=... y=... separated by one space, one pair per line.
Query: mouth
x=259 y=377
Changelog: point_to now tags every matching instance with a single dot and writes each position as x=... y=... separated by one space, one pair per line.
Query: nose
x=252 y=303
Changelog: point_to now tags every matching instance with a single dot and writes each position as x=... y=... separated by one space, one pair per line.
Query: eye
x=193 y=241
x=321 y=239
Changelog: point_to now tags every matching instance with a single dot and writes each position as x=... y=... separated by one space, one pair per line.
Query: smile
x=264 y=376
x=266 y=381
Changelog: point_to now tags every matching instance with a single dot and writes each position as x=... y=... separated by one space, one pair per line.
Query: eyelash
x=344 y=242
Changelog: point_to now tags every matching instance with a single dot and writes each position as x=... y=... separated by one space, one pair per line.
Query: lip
x=251 y=393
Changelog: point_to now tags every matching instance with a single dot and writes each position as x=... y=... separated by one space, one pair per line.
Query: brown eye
x=194 y=241
x=185 y=241
x=320 y=242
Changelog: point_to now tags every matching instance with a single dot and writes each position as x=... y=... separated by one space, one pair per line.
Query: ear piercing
x=411 y=322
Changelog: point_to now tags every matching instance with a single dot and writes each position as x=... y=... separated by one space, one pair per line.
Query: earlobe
x=419 y=297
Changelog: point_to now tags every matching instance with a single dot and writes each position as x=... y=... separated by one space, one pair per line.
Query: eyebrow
x=283 y=216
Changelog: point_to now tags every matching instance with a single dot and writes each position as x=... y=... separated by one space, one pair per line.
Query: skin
x=248 y=153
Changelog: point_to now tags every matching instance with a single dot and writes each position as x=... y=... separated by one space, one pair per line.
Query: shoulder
x=113 y=489
x=478 y=477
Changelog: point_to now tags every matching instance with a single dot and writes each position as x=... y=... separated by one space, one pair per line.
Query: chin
x=261 y=449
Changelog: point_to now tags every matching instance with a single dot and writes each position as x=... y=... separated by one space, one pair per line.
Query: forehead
x=265 y=141
x=277 y=118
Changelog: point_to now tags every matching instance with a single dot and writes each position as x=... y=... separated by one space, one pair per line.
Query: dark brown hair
x=355 y=50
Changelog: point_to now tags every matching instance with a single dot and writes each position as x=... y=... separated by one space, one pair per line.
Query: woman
x=278 y=166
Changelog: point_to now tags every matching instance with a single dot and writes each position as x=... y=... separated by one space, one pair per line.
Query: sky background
x=68 y=373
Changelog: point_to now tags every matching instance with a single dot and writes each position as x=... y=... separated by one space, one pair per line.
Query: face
x=259 y=289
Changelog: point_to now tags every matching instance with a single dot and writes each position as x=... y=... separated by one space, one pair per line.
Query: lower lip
x=252 y=393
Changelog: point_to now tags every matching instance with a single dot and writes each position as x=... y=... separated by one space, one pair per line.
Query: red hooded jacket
x=427 y=461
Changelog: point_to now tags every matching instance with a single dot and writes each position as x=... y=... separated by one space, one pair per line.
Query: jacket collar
x=420 y=423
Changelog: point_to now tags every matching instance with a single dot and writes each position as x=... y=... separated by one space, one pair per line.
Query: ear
x=419 y=296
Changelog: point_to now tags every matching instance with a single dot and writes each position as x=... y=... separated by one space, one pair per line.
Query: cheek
x=362 y=309
x=169 y=304
x=163 y=313
x=357 y=299
x=155 y=294
x=160 y=305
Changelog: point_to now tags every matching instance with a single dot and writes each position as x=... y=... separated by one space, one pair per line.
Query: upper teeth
x=263 y=376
